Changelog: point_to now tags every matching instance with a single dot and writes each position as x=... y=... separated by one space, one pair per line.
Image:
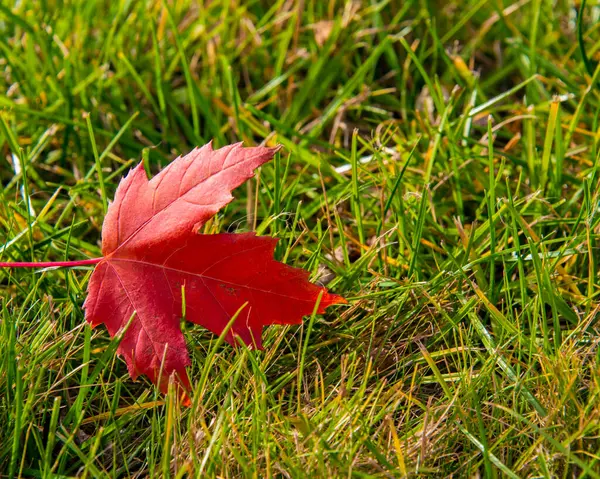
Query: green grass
x=439 y=170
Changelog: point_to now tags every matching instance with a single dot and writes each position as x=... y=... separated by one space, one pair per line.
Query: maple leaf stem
x=50 y=264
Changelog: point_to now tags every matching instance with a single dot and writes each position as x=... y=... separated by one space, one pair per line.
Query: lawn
x=439 y=169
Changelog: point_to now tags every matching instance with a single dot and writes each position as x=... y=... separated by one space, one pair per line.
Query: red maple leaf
x=153 y=254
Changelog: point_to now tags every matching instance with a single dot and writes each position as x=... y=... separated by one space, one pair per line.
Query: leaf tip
x=330 y=299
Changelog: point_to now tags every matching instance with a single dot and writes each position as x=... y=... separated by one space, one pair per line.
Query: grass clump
x=439 y=170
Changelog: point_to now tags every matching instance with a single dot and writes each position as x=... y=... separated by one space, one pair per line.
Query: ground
x=439 y=170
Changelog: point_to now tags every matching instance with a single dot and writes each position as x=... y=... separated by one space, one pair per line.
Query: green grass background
x=439 y=170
